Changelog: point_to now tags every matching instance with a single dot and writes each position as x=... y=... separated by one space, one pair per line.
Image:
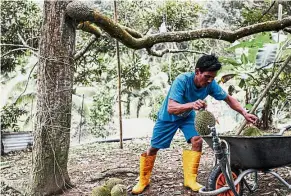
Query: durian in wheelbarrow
x=111 y=182
x=119 y=190
x=100 y=191
x=252 y=131
x=204 y=119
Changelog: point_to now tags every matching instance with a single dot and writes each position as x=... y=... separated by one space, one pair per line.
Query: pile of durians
x=112 y=187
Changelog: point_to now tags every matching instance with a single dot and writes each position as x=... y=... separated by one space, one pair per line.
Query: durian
x=111 y=182
x=204 y=119
x=100 y=191
x=252 y=131
x=119 y=190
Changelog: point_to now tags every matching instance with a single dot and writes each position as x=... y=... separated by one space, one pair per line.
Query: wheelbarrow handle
x=288 y=127
x=284 y=129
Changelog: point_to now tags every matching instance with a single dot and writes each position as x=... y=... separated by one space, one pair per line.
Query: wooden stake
x=119 y=79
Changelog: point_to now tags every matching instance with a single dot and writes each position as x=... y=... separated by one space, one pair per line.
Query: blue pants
x=164 y=131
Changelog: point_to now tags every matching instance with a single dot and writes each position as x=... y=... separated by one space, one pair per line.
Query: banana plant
x=257 y=63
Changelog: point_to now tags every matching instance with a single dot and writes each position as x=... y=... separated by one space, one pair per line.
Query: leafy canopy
x=20 y=22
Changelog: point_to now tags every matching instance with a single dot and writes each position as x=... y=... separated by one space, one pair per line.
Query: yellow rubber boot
x=146 y=167
x=191 y=161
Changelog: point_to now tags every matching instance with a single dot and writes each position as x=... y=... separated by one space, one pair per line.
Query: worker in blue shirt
x=177 y=112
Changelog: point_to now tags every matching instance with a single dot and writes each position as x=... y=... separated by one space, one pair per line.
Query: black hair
x=208 y=63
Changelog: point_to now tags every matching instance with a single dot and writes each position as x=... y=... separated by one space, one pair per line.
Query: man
x=177 y=112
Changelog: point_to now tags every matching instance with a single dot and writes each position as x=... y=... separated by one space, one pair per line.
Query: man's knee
x=196 y=142
x=152 y=151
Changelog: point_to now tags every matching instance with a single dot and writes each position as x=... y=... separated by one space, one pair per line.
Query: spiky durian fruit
x=111 y=182
x=204 y=119
x=252 y=131
x=100 y=191
x=119 y=190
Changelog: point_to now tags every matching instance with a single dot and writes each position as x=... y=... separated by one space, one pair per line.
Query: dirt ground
x=92 y=164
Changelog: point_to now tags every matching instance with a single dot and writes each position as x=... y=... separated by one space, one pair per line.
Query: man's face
x=202 y=79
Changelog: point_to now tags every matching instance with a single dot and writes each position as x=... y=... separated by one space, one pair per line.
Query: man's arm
x=177 y=108
x=235 y=105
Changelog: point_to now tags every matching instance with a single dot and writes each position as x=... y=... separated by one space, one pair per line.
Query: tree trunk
x=139 y=105
x=54 y=101
x=266 y=113
x=247 y=97
x=128 y=104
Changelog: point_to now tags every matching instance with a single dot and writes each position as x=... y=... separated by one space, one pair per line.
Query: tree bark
x=54 y=101
x=266 y=112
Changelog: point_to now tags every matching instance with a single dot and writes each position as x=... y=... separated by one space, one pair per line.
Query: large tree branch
x=132 y=32
x=82 y=11
x=90 y=28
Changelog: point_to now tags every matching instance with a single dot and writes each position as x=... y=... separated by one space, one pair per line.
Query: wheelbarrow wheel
x=217 y=180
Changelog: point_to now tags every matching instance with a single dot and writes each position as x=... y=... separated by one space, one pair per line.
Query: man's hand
x=177 y=108
x=250 y=117
x=198 y=104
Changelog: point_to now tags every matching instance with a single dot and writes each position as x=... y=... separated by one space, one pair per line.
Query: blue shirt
x=183 y=90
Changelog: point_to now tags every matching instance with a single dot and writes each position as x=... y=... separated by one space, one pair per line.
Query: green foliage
x=251 y=16
x=252 y=45
x=143 y=15
x=18 y=19
x=149 y=92
x=263 y=11
x=90 y=69
x=249 y=106
x=135 y=74
x=176 y=66
x=156 y=104
x=96 y=60
x=136 y=14
x=9 y=117
x=19 y=88
x=266 y=56
x=179 y=15
x=257 y=41
x=94 y=69
x=101 y=111
x=228 y=61
x=244 y=63
x=254 y=67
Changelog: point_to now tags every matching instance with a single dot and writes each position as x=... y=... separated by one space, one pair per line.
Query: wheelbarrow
x=238 y=157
